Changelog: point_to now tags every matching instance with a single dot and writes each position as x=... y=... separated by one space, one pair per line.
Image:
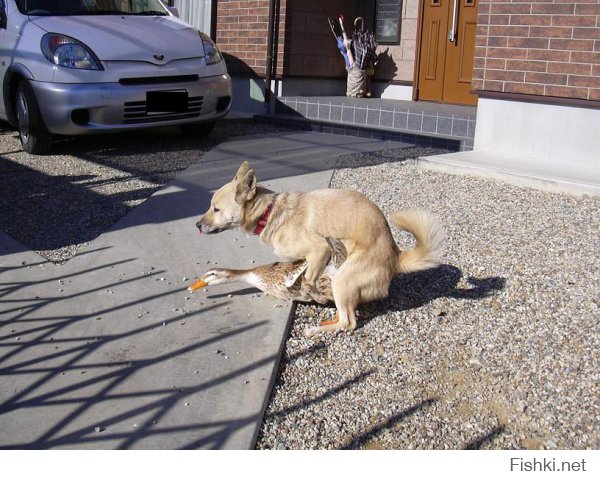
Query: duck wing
x=294 y=274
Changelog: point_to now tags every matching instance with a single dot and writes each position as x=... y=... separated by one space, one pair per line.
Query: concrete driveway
x=110 y=351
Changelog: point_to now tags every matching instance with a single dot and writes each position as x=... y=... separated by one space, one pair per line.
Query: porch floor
x=452 y=126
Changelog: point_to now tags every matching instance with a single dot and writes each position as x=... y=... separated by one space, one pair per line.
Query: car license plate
x=167 y=102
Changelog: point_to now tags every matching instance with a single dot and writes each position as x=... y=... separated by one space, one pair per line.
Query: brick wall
x=539 y=47
x=242 y=32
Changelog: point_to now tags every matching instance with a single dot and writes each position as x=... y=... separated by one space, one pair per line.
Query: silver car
x=72 y=67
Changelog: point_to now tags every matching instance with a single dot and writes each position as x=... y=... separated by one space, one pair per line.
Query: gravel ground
x=496 y=348
x=57 y=204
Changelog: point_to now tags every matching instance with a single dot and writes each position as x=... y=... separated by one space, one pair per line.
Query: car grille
x=155 y=80
x=135 y=112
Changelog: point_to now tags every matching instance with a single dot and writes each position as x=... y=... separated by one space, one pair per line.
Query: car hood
x=154 y=39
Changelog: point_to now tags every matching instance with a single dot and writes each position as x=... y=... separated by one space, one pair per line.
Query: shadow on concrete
x=49 y=212
x=66 y=371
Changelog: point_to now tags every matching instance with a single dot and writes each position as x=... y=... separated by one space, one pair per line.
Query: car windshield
x=91 y=7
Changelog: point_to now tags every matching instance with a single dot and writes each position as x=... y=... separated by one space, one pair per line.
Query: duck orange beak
x=199 y=284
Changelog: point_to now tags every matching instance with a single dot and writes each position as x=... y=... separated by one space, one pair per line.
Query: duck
x=282 y=280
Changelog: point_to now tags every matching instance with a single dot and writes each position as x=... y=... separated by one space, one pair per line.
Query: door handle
x=453 y=33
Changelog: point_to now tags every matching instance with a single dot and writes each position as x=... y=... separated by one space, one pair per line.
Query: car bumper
x=75 y=109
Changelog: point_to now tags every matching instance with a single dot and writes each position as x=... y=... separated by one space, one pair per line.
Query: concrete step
x=541 y=174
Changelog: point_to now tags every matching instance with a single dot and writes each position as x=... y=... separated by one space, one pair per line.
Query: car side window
x=3 y=16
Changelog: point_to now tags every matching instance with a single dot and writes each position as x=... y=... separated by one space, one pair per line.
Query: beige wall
x=397 y=62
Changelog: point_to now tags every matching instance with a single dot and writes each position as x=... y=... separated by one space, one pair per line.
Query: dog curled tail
x=429 y=237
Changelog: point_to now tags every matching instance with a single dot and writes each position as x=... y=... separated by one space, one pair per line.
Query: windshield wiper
x=150 y=12
x=101 y=12
x=98 y=12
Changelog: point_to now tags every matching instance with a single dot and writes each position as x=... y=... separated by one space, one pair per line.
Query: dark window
x=388 y=21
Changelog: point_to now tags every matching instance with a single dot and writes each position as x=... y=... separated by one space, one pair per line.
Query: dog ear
x=246 y=189
x=242 y=171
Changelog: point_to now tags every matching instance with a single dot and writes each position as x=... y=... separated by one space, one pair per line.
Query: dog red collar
x=262 y=223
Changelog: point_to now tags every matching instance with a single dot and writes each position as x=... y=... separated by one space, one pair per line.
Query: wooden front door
x=447 y=50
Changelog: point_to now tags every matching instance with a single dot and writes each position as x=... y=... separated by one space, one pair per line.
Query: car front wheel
x=35 y=137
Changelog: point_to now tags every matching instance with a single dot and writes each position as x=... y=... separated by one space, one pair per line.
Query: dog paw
x=318 y=297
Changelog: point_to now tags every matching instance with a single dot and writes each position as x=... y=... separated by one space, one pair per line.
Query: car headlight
x=68 y=52
x=211 y=52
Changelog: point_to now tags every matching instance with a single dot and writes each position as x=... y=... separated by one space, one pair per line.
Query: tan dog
x=298 y=225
